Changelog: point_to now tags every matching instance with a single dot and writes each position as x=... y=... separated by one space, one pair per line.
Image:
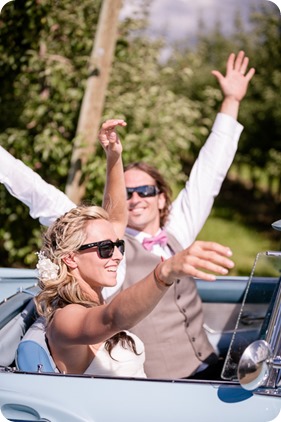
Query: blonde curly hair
x=64 y=236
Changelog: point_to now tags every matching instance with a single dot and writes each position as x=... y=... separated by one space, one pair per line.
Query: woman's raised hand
x=108 y=136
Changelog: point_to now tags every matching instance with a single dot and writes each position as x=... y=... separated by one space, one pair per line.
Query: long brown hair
x=160 y=183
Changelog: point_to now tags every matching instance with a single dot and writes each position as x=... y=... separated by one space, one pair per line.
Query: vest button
x=199 y=354
x=193 y=339
x=179 y=296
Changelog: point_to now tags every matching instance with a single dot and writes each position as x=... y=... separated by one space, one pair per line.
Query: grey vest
x=173 y=334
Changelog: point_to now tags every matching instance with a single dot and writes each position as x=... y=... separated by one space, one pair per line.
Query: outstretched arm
x=75 y=326
x=192 y=207
x=43 y=200
x=114 y=200
x=235 y=83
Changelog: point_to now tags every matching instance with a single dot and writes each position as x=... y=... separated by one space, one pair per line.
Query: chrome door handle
x=21 y=413
x=25 y=420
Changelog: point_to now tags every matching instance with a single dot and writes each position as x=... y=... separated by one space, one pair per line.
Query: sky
x=177 y=19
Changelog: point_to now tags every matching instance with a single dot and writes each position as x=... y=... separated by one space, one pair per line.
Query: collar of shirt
x=156 y=249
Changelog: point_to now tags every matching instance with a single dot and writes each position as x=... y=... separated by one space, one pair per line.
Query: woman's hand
x=108 y=136
x=194 y=261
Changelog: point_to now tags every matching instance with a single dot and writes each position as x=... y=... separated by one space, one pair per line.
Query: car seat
x=32 y=354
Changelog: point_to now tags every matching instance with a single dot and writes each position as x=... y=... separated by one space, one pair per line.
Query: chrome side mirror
x=254 y=365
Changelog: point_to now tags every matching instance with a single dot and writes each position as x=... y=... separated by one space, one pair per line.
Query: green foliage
x=161 y=123
x=44 y=49
x=260 y=113
x=169 y=107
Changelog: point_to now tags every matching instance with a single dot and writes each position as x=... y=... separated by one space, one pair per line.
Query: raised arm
x=234 y=84
x=114 y=199
x=193 y=205
x=46 y=202
x=43 y=200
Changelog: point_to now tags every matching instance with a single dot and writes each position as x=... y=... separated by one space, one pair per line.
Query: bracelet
x=159 y=281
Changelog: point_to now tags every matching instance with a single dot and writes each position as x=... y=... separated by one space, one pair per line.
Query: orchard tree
x=44 y=48
x=45 y=76
x=260 y=113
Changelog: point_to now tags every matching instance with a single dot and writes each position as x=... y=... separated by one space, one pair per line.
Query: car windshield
x=256 y=310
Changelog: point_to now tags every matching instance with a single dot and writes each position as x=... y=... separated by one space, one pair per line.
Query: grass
x=245 y=242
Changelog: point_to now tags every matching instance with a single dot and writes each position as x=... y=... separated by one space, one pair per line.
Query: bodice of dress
x=124 y=362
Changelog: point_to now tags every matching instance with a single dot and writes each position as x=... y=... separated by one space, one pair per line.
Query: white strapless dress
x=123 y=363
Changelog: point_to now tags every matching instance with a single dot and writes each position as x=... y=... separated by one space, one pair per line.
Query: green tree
x=169 y=107
x=263 y=143
x=44 y=52
x=260 y=112
x=45 y=81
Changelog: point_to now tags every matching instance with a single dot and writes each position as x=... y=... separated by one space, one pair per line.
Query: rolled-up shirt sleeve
x=43 y=200
x=193 y=205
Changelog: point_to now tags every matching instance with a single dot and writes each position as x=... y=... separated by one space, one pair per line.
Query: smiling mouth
x=112 y=269
x=137 y=210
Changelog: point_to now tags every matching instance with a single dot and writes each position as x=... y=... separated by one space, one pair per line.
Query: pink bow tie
x=161 y=239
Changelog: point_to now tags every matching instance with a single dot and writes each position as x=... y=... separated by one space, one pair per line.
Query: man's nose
x=135 y=196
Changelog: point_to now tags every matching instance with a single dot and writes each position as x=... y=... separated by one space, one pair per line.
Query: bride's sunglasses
x=105 y=247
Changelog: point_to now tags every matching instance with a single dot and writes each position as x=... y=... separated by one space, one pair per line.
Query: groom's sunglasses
x=143 y=191
x=105 y=247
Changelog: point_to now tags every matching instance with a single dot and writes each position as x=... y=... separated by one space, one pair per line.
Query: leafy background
x=169 y=108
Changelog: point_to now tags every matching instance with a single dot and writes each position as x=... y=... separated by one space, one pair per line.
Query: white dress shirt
x=43 y=200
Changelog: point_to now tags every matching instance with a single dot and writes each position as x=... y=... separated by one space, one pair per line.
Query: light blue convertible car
x=242 y=319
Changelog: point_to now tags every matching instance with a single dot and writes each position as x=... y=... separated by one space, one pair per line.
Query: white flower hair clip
x=47 y=270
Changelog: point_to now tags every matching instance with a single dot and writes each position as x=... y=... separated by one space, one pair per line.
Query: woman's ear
x=70 y=261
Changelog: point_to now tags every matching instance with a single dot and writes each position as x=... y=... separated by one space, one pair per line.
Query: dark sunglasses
x=105 y=247
x=143 y=191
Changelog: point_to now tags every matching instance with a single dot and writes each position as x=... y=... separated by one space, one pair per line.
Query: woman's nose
x=117 y=254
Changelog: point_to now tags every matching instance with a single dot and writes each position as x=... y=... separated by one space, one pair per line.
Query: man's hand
x=235 y=83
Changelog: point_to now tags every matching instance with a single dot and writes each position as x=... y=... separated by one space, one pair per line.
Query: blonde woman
x=80 y=256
